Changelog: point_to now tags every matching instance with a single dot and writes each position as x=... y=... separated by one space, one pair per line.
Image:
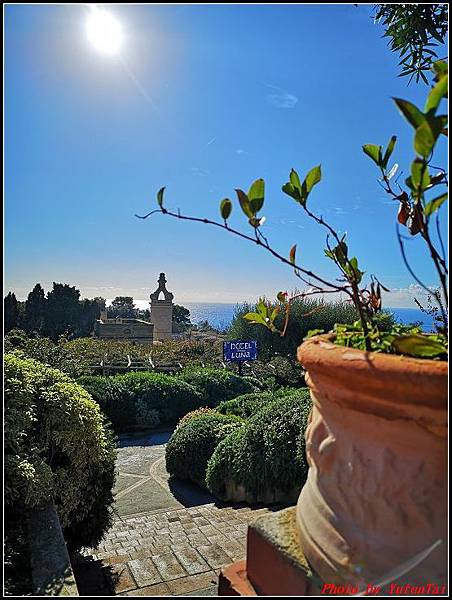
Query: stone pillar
x=162 y=311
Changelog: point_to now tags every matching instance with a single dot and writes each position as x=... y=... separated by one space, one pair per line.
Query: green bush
x=142 y=399
x=57 y=448
x=267 y=455
x=305 y=314
x=215 y=385
x=247 y=405
x=113 y=399
x=203 y=410
x=191 y=445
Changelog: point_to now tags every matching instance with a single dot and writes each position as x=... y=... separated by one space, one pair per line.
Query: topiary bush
x=215 y=385
x=264 y=461
x=191 y=445
x=57 y=449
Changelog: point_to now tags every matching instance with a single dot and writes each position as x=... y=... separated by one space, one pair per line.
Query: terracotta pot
x=376 y=493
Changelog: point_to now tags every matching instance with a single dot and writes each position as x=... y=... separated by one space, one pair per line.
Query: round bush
x=246 y=405
x=203 y=410
x=263 y=461
x=57 y=449
x=191 y=445
x=216 y=385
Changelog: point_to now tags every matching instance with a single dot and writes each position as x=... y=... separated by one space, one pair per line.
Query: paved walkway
x=168 y=538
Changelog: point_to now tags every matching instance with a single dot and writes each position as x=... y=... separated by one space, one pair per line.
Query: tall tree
x=35 y=308
x=89 y=312
x=63 y=310
x=122 y=306
x=11 y=311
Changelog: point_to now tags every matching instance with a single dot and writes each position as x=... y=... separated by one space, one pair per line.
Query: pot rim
x=360 y=377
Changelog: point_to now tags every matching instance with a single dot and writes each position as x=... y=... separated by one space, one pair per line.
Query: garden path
x=168 y=538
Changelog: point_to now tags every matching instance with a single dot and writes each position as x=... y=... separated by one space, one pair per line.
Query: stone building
x=133 y=330
x=162 y=310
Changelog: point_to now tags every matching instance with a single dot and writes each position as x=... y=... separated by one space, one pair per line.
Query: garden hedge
x=142 y=399
x=215 y=385
x=192 y=444
x=57 y=449
x=263 y=461
x=247 y=405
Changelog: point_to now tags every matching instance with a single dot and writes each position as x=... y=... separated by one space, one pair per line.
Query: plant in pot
x=373 y=509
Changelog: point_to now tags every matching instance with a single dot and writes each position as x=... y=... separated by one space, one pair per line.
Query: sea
x=220 y=315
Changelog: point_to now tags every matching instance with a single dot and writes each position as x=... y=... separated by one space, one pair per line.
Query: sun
x=104 y=31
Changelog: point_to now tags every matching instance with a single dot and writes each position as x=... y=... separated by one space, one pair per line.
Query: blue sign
x=240 y=350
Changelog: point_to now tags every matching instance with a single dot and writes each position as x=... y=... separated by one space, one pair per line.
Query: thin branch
x=251 y=239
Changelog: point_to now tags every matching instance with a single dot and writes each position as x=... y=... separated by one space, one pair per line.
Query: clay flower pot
x=376 y=493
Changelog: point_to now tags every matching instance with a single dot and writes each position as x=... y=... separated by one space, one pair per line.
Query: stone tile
x=168 y=566
x=158 y=589
x=144 y=572
x=123 y=579
x=116 y=559
x=190 y=559
x=214 y=555
x=186 y=585
x=200 y=521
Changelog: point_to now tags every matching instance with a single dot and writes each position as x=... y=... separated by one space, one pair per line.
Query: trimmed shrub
x=191 y=446
x=142 y=399
x=112 y=397
x=264 y=461
x=247 y=405
x=204 y=410
x=215 y=385
x=57 y=448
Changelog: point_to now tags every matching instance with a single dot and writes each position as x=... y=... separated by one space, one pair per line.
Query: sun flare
x=104 y=31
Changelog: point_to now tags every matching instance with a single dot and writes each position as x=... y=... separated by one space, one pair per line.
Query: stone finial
x=168 y=296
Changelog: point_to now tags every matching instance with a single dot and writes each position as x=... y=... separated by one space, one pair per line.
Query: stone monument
x=162 y=311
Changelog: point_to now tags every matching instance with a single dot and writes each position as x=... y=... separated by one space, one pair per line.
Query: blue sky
x=202 y=99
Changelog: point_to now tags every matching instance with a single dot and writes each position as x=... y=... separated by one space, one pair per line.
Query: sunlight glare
x=104 y=31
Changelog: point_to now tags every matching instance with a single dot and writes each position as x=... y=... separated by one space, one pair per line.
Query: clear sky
x=201 y=99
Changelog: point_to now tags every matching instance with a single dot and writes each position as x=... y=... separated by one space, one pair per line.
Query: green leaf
x=245 y=203
x=424 y=140
x=292 y=253
x=225 y=208
x=434 y=205
x=160 y=197
x=354 y=271
x=291 y=190
x=261 y=308
x=436 y=95
x=256 y=195
x=418 y=345
x=255 y=318
x=312 y=332
x=312 y=178
x=411 y=112
x=295 y=180
x=440 y=68
x=389 y=151
x=420 y=177
x=374 y=152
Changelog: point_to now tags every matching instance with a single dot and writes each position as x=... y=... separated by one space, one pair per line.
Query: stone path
x=168 y=538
